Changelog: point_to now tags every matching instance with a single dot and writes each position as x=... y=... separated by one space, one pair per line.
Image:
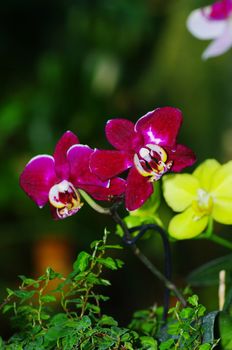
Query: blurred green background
x=72 y=65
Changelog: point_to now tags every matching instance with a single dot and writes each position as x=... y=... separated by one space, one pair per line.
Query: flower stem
x=137 y=252
x=93 y=204
x=219 y=240
x=112 y=211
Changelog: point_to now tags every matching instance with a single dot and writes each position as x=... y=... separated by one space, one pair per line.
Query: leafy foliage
x=70 y=317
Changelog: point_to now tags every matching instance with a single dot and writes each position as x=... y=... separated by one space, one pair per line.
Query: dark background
x=72 y=65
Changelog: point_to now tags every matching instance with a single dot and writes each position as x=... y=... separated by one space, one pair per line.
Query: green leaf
x=193 y=300
x=51 y=274
x=29 y=281
x=167 y=344
x=107 y=321
x=208 y=326
x=10 y=292
x=113 y=246
x=81 y=262
x=205 y=346
x=225 y=326
x=59 y=319
x=208 y=274
x=48 y=298
x=148 y=343
x=110 y=263
x=7 y=308
x=24 y=294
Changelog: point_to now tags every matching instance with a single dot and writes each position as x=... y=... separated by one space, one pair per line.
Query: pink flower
x=149 y=148
x=213 y=22
x=56 y=179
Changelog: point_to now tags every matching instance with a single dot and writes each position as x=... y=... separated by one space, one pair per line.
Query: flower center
x=203 y=205
x=152 y=161
x=65 y=198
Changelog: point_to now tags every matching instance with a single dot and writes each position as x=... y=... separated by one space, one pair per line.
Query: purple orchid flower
x=213 y=22
x=149 y=148
x=57 y=179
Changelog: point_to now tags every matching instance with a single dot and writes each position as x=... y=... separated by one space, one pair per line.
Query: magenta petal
x=38 y=177
x=80 y=173
x=67 y=140
x=182 y=157
x=138 y=190
x=160 y=126
x=219 y=10
x=108 y=164
x=116 y=188
x=121 y=134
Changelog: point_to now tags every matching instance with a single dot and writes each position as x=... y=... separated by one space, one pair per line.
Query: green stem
x=93 y=204
x=114 y=214
x=220 y=240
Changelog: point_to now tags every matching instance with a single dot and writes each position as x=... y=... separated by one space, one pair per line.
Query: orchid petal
x=205 y=173
x=220 y=9
x=221 y=192
x=80 y=173
x=182 y=157
x=67 y=140
x=108 y=164
x=221 y=182
x=160 y=126
x=220 y=45
x=203 y=28
x=138 y=190
x=38 y=177
x=222 y=210
x=116 y=188
x=120 y=133
x=186 y=226
x=180 y=190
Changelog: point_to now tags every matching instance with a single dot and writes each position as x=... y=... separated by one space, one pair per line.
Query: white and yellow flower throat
x=151 y=161
x=65 y=198
x=203 y=205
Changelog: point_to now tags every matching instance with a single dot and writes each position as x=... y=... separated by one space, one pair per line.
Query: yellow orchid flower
x=205 y=194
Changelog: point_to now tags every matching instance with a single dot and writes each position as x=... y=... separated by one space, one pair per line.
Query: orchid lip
x=65 y=198
x=203 y=205
x=152 y=162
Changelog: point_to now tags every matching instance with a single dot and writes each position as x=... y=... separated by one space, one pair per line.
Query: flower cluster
x=213 y=22
x=148 y=148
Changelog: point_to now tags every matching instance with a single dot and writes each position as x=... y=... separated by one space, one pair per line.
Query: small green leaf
x=148 y=343
x=107 y=321
x=7 y=308
x=193 y=300
x=110 y=263
x=113 y=246
x=205 y=346
x=81 y=262
x=51 y=274
x=29 y=281
x=59 y=319
x=167 y=344
x=10 y=292
x=24 y=294
x=48 y=298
